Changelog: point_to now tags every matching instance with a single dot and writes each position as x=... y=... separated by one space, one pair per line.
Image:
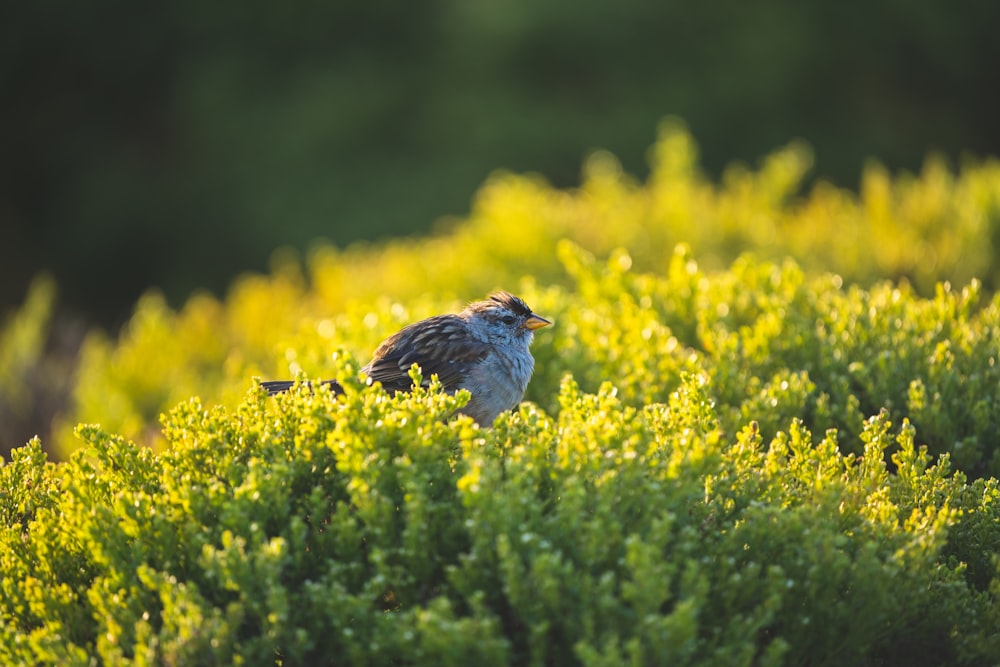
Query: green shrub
x=363 y=529
x=777 y=345
x=658 y=499
x=34 y=366
x=824 y=329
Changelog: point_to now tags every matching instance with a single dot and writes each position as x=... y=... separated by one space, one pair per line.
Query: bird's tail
x=280 y=386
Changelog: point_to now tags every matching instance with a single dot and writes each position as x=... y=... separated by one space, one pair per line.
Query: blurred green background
x=178 y=144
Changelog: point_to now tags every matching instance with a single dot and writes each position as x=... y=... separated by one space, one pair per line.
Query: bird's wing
x=440 y=345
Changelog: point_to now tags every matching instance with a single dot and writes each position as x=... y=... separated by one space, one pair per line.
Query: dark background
x=176 y=144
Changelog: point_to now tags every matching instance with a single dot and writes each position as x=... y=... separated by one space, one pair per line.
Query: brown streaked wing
x=439 y=345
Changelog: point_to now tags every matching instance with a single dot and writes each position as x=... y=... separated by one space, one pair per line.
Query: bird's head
x=506 y=317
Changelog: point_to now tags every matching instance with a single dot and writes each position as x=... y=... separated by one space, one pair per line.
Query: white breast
x=498 y=383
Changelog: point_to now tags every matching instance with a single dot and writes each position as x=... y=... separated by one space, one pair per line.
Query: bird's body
x=483 y=349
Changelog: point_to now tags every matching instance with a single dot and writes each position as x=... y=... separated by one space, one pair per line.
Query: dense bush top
x=175 y=146
x=777 y=344
x=362 y=529
x=659 y=499
x=750 y=325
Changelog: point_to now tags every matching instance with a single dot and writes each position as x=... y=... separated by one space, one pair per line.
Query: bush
x=844 y=344
x=777 y=344
x=659 y=498
x=36 y=362
x=365 y=529
x=22 y=341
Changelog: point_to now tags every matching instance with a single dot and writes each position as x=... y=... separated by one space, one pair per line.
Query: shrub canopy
x=725 y=457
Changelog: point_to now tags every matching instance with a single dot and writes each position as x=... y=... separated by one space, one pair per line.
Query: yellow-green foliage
x=22 y=341
x=364 y=529
x=33 y=376
x=659 y=499
x=776 y=344
x=935 y=226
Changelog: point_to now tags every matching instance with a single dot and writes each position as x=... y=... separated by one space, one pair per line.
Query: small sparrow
x=484 y=349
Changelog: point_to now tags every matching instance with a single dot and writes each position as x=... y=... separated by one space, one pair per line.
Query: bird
x=483 y=349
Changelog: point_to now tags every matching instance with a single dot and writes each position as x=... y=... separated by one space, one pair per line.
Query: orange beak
x=536 y=322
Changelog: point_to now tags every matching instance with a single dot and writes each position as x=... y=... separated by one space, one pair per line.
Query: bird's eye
x=508 y=319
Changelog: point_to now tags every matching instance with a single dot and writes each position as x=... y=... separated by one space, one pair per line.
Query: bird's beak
x=536 y=322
